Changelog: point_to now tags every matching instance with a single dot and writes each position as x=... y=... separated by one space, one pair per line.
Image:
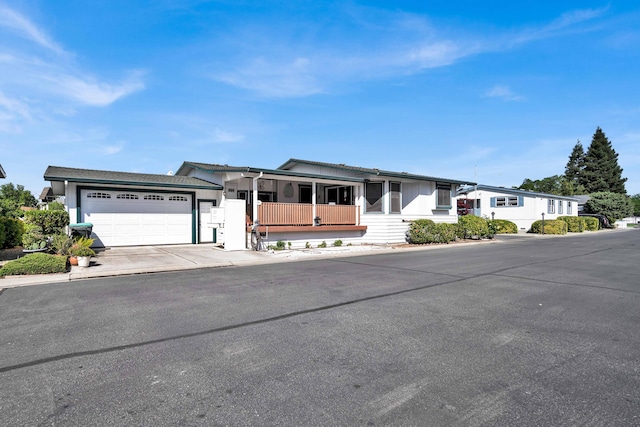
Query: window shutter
x=520 y=200
x=493 y=202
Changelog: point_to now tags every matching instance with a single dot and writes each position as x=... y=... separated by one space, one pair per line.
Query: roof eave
x=134 y=183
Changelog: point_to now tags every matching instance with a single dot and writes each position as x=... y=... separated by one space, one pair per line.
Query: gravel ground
x=10 y=254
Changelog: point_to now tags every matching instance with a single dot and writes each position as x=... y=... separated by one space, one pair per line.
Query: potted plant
x=81 y=249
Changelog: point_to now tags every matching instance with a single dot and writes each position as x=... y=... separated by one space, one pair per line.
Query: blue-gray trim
x=515 y=192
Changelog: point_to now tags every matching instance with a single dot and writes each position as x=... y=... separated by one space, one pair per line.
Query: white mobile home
x=518 y=206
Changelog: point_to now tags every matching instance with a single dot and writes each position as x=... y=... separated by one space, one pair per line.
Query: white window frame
x=379 y=202
x=398 y=197
x=551 y=206
x=444 y=190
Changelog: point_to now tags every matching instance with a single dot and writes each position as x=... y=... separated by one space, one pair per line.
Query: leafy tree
x=614 y=206
x=12 y=198
x=635 y=200
x=601 y=172
x=550 y=185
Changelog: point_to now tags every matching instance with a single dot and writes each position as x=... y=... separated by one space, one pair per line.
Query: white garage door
x=122 y=218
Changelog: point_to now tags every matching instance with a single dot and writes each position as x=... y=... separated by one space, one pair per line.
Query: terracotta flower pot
x=73 y=260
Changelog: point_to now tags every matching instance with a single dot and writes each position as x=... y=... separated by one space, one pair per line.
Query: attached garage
x=126 y=217
x=129 y=209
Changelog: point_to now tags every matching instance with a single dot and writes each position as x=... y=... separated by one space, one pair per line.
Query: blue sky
x=489 y=91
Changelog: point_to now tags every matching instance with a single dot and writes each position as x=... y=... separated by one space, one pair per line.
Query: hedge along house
x=521 y=207
x=310 y=202
x=136 y=209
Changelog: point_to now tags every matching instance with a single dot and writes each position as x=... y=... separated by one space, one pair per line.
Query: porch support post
x=385 y=197
x=313 y=202
x=255 y=197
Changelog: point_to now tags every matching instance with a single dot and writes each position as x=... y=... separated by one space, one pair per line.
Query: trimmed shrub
x=56 y=206
x=471 y=226
x=591 y=223
x=51 y=222
x=38 y=263
x=503 y=226
x=11 y=231
x=337 y=243
x=551 y=226
x=575 y=224
x=423 y=231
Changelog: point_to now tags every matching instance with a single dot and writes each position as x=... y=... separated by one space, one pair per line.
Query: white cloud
x=91 y=92
x=13 y=20
x=272 y=79
x=112 y=148
x=52 y=84
x=225 y=136
x=395 y=44
x=502 y=92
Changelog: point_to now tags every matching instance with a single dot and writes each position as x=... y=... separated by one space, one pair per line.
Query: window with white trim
x=98 y=196
x=507 y=201
x=127 y=196
x=444 y=195
x=373 y=196
x=394 y=193
x=560 y=207
x=153 y=197
x=569 y=208
x=551 y=206
x=178 y=199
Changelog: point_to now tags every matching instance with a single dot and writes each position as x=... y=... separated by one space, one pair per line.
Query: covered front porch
x=296 y=204
x=295 y=217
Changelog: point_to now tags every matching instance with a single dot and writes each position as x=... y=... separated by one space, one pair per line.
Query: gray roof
x=57 y=173
x=46 y=192
x=213 y=168
x=2 y=173
x=371 y=171
x=515 y=192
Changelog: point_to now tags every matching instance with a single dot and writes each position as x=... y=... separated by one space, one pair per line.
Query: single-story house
x=521 y=207
x=135 y=209
x=299 y=202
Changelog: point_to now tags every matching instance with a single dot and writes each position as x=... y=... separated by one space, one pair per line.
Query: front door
x=207 y=234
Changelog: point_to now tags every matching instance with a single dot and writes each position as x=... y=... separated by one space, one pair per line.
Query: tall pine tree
x=573 y=170
x=575 y=164
x=601 y=171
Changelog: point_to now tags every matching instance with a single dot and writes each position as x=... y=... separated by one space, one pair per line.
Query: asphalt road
x=526 y=331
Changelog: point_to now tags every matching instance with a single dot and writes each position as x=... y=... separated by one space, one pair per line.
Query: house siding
x=532 y=208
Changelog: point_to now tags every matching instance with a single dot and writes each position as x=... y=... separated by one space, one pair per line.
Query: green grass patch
x=38 y=263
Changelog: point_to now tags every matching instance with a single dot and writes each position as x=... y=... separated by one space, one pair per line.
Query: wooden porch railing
x=297 y=214
x=338 y=214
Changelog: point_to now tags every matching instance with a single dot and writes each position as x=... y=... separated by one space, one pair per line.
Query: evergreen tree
x=601 y=172
x=575 y=165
